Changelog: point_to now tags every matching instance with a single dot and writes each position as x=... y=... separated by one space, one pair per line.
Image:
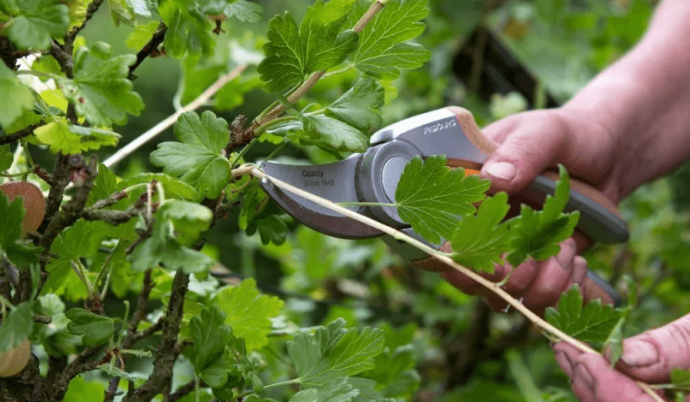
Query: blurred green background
x=464 y=351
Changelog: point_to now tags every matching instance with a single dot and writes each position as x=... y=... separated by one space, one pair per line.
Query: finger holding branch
x=492 y=287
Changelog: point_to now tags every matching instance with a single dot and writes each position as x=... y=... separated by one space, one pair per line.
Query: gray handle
x=596 y=221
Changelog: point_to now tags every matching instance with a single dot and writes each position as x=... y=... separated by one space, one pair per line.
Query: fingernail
x=584 y=375
x=640 y=354
x=502 y=170
x=565 y=363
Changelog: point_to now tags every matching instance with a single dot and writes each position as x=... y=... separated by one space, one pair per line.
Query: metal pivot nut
x=378 y=174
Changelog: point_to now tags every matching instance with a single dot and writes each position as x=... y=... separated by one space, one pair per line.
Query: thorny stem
x=535 y=319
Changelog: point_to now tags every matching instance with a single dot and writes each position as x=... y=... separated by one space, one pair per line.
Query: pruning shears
x=373 y=176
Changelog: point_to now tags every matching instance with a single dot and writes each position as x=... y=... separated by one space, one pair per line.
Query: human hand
x=529 y=143
x=648 y=357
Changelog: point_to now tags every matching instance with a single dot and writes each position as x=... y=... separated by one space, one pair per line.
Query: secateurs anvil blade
x=373 y=177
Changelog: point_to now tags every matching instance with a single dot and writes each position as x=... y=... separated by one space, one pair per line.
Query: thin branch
x=110 y=216
x=165 y=356
x=314 y=78
x=183 y=391
x=140 y=312
x=163 y=125
x=150 y=47
x=79 y=365
x=14 y=137
x=538 y=321
x=63 y=57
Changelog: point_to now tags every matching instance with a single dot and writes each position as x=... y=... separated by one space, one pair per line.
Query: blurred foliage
x=461 y=349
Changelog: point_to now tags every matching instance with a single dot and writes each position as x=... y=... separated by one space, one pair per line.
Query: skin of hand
x=628 y=126
x=647 y=357
x=531 y=142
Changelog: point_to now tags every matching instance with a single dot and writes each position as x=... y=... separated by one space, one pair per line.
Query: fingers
x=537 y=284
x=530 y=142
x=593 y=379
x=651 y=356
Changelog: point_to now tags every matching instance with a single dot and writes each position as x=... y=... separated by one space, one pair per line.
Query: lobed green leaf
x=197 y=158
x=480 y=240
x=430 y=196
x=590 y=323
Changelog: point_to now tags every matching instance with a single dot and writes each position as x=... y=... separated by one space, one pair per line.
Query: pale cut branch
x=130 y=148
x=538 y=321
x=314 y=78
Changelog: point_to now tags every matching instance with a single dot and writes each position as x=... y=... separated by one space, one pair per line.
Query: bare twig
x=160 y=127
x=493 y=287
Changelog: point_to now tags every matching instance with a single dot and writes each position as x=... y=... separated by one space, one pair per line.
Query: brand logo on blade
x=312 y=179
x=440 y=126
x=312 y=173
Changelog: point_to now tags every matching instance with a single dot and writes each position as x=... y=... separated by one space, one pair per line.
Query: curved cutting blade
x=334 y=181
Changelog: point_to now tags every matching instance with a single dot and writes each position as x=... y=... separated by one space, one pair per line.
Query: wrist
x=609 y=122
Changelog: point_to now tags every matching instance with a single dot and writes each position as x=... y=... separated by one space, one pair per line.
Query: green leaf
x=141 y=35
x=189 y=31
x=174 y=188
x=16 y=326
x=75 y=242
x=394 y=372
x=358 y=107
x=271 y=229
x=35 y=22
x=593 y=323
x=217 y=372
x=188 y=218
x=614 y=342
x=197 y=158
x=382 y=49
x=6 y=157
x=336 y=391
x=121 y=11
x=96 y=329
x=248 y=312
x=113 y=371
x=162 y=248
x=80 y=391
x=430 y=196
x=17 y=97
x=334 y=352
x=367 y=392
x=323 y=131
x=100 y=89
x=72 y=139
x=480 y=240
x=210 y=335
x=319 y=43
x=680 y=379
x=104 y=185
x=538 y=234
x=244 y=10
x=11 y=217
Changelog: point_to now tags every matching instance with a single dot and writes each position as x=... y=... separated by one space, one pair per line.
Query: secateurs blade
x=373 y=176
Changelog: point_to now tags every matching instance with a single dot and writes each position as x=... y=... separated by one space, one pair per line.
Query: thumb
x=651 y=356
x=531 y=142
